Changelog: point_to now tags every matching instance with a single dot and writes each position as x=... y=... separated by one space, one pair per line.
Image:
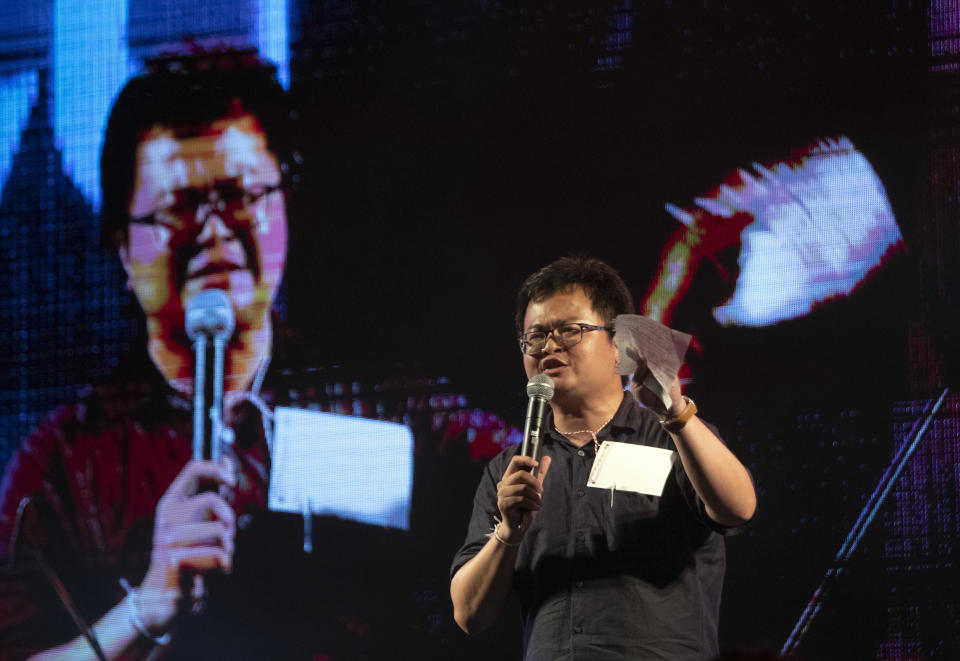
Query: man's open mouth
x=214 y=268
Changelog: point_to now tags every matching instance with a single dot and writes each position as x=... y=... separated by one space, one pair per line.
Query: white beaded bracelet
x=502 y=540
x=138 y=624
x=496 y=535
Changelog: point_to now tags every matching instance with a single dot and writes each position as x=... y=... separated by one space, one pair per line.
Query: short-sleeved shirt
x=604 y=575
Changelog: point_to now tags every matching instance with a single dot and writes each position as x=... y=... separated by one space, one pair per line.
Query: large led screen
x=363 y=186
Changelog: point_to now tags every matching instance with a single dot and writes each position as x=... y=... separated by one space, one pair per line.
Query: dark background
x=450 y=148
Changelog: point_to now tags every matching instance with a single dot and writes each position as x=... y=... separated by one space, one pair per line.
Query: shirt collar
x=627 y=418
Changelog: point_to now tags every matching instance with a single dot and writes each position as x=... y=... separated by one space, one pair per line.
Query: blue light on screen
x=90 y=60
x=17 y=94
x=273 y=39
x=89 y=66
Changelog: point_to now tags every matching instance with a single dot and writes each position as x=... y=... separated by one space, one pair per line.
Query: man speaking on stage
x=601 y=574
x=106 y=493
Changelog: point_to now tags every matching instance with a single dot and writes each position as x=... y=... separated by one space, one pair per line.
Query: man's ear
x=123 y=252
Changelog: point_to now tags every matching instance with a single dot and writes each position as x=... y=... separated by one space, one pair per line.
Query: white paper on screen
x=354 y=468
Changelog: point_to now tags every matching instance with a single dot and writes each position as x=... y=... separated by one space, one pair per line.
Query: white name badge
x=629 y=467
x=354 y=468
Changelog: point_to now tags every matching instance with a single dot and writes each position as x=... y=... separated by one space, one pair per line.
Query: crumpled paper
x=642 y=341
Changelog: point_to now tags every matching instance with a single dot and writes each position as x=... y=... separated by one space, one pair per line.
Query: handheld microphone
x=209 y=314
x=539 y=392
x=208 y=317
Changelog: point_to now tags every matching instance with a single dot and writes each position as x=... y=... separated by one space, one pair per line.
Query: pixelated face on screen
x=207 y=211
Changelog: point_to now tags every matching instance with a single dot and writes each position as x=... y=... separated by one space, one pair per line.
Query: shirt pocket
x=646 y=536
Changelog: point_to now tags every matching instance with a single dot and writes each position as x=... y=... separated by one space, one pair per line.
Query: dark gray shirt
x=635 y=577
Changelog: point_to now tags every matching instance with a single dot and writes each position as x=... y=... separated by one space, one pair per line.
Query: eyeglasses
x=190 y=207
x=567 y=335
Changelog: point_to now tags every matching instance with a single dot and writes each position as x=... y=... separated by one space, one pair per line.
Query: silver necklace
x=593 y=433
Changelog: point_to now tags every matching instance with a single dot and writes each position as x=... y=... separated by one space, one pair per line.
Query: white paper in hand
x=629 y=467
x=353 y=468
x=639 y=339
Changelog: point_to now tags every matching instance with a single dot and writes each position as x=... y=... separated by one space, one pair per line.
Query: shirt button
x=580 y=493
x=581 y=453
x=579 y=584
x=578 y=630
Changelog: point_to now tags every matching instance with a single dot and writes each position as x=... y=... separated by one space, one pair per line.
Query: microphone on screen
x=208 y=319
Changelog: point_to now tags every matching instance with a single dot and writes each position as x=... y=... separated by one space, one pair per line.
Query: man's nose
x=552 y=337
x=214 y=228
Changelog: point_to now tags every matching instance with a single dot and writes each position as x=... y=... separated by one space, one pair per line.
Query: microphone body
x=209 y=319
x=539 y=393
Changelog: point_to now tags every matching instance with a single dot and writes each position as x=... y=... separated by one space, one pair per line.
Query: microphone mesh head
x=209 y=313
x=540 y=385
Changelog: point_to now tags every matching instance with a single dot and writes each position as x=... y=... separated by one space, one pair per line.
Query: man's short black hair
x=606 y=290
x=188 y=92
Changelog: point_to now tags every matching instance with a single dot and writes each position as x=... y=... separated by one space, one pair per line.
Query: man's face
x=586 y=367
x=209 y=218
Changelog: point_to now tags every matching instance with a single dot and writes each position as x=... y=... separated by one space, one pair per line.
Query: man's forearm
x=480 y=588
x=717 y=475
x=114 y=631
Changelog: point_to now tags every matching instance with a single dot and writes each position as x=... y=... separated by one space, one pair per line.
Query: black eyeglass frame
x=524 y=339
x=219 y=204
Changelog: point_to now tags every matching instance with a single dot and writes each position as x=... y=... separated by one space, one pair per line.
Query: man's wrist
x=673 y=423
x=496 y=536
x=506 y=534
x=133 y=611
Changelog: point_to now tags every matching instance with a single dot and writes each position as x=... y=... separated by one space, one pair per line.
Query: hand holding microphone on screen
x=193 y=532
x=195 y=527
x=209 y=318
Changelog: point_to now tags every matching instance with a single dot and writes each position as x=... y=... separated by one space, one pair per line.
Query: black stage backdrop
x=449 y=149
